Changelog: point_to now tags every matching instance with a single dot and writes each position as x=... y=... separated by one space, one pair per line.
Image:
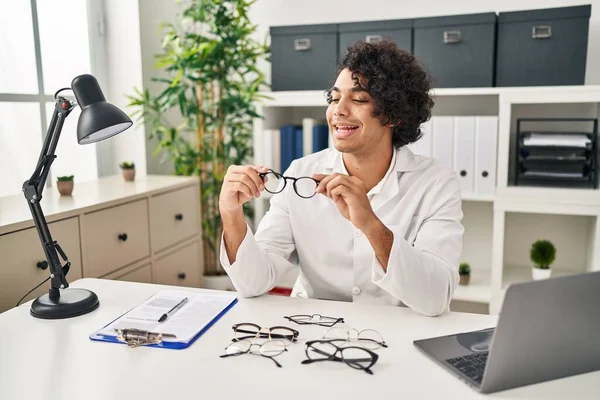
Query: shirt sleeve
x=424 y=274
x=263 y=258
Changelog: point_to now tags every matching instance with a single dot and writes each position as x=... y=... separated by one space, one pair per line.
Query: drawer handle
x=373 y=38
x=123 y=237
x=181 y=275
x=43 y=265
x=485 y=174
x=541 y=32
x=178 y=217
x=302 y=44
x=463 y=173
x=451 y=37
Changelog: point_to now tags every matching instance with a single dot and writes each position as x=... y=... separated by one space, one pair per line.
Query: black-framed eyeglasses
x=304 y=186
x=248 y=330
x=314 y=319
x=328 y=350
x=367 y=338
x=268 y=349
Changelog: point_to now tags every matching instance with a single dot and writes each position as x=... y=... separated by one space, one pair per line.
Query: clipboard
x=149 y=338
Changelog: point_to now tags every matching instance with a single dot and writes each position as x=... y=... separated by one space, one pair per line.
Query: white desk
x=41 y=359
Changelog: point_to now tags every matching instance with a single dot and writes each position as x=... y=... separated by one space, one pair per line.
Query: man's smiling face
x=352 y=125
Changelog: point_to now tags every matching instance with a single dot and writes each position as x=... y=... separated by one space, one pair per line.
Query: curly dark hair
x=396 y=81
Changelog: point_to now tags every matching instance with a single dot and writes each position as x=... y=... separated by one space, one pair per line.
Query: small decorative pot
x=129 y=174
x=464 y=279
x=65 y=188
x=538 y=273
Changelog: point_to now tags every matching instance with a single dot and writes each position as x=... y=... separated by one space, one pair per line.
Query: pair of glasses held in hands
x=305 y=186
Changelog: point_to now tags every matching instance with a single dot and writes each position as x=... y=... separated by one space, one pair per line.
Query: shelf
x=515 y=274
x=479 y=289
x=311 y=98
x=474 y=197
x=510 y=197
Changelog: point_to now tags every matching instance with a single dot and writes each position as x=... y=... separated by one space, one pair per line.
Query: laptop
x=546 y=330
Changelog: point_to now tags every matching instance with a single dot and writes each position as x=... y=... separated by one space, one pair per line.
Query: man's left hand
x=350 y=197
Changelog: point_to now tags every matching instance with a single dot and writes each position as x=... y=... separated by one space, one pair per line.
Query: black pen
x=164 y=316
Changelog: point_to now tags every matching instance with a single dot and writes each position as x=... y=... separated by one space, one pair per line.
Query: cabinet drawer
x=21 y=251
x=115 y=237
x=142 y=274
x=174 y=217
x=180 y=268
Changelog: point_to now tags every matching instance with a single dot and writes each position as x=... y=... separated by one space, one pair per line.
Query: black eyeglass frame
x=328 y=324
x=262 y=333
x=334 y=357
x=285 y=179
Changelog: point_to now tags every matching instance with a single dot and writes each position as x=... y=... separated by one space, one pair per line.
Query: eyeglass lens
x=274 y=183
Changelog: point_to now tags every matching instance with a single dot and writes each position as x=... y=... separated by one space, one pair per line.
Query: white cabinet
x=23 y=265
x=144 y=231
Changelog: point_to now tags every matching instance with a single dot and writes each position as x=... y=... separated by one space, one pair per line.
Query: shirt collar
x=403 y=160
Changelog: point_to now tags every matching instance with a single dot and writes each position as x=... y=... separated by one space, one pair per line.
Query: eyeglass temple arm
x=274 y=360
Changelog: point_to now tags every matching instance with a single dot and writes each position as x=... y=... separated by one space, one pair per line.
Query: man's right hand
x=240 y=185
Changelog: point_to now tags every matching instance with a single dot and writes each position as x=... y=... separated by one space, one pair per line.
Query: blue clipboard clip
x=136 y=337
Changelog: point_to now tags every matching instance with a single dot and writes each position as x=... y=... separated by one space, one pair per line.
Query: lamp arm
x=33 y=189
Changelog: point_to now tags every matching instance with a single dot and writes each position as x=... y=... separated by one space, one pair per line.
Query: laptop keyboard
x=472 y=365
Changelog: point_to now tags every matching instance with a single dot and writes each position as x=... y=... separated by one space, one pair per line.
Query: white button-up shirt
x=419 y=200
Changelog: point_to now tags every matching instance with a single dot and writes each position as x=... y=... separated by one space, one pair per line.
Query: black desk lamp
x=98 y=120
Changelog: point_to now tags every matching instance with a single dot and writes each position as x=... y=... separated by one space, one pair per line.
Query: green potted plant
x=210 y=76
x=64 y=184
x=464 y=271
x=542 y=254
x=128 y=170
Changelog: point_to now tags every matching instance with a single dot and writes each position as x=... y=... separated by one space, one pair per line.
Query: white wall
x=123 y=72
x=268 y=13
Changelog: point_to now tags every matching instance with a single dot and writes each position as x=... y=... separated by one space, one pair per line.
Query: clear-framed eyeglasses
x=314 y=319
x=304 y=186
x=367 y=338
x=268 y=349
x=249 y=330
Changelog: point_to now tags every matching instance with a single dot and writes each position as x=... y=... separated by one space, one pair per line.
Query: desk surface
x=42 y=359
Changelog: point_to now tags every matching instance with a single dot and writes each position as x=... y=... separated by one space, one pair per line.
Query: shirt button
x=355 y=291
x=357 y=233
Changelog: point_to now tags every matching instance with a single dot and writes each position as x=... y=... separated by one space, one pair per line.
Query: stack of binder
x=297 y=141
x=557 y=158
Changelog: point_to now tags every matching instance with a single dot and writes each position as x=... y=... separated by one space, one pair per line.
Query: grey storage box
x=458 y=50
x=303 y=57
x=398 y=31
x=543 y=47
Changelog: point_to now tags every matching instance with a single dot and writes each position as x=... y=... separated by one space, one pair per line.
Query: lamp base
x=71 y=303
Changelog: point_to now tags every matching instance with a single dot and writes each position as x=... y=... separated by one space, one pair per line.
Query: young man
x=384 y=226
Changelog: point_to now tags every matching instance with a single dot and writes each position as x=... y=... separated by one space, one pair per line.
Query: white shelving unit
x=499 y=229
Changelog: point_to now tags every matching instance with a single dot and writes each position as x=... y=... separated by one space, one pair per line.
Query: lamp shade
x=99 y=120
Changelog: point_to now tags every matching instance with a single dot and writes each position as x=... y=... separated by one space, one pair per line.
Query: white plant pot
x=538 y=273
x=221 y=282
